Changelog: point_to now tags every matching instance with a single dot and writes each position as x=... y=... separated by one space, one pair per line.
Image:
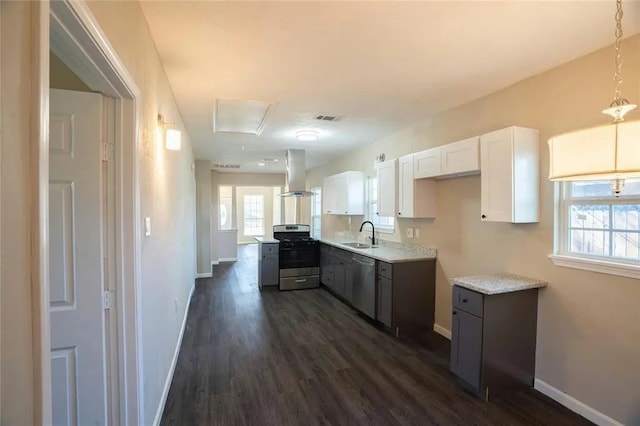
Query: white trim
x=77 y=38
x=442 y=331
x=39 y=164
x=574 y=405
x=204 y=275
x=174 y=361
x=216 y=262
x=596 y=265
x=227 y=259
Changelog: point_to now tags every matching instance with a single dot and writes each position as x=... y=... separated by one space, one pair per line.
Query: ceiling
x=381 y=66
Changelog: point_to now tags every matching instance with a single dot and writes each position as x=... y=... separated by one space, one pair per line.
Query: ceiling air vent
x=226 y=166
x=328 y=118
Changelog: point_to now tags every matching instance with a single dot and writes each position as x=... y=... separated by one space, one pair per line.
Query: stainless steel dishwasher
x=364 y=285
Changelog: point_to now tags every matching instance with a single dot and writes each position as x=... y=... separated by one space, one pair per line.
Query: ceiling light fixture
x=307 y=135
x=261 y=164
x=606 y=152
x=172 y=136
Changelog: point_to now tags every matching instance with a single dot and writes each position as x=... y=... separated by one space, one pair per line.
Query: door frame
x=77 y=39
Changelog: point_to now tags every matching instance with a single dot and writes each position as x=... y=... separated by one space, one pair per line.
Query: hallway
x=304 y=358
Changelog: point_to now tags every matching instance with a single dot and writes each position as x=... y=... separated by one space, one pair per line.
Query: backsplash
x=413 y=248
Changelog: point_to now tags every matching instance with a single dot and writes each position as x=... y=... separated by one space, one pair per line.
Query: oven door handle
x=301 y=280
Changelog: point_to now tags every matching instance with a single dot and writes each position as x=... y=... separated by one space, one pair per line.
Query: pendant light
x=607 y=152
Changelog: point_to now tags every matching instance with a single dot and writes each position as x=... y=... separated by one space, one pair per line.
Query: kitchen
x=390 y=82
x=567 y=328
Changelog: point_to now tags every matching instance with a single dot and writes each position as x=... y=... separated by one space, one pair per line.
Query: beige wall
x=204 y=225
x=16 y=368
x=167 y=197
x=588 y=323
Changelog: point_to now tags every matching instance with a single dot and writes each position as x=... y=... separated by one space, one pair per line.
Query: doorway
x=69 y=30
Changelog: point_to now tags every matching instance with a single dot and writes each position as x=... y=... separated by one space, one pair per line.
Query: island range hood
x=296 y=167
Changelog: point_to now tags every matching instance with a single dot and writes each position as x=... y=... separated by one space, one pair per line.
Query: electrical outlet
x=409 y=232
x=416 y=232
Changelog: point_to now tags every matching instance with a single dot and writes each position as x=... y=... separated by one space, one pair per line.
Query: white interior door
x=78 y=345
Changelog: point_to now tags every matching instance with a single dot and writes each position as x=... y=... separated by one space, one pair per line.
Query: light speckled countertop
x=386 y=253
x=266 y=240
x=498 y=283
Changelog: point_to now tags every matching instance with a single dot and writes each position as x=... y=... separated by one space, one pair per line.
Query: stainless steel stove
x=299 y=257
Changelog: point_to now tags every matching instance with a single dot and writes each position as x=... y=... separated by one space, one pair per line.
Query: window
x=316 y=212
x=225 y=204
x=253 y=215
x=382 y=223
x=596 y=228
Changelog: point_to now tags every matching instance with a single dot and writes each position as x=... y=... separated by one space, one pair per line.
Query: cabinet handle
x=300 y=281
x=484 y=216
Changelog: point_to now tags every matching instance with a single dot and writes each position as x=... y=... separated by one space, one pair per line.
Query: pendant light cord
x=617 y=78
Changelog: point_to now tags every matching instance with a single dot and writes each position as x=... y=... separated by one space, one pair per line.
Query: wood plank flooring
x=304 y=358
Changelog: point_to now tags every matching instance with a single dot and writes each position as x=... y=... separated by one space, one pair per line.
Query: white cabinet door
x=329 y=195
x=510 y=175
x=427 y=163
x=405 y=186
x=462 y=157
x=387 y=178
x=344 y=194
x=416 y=197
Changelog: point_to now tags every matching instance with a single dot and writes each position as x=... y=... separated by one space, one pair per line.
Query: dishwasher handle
x=363 y=260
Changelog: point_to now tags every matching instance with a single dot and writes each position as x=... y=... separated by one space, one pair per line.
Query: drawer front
x=467 y=300
x=385 y=270
x=269 y=248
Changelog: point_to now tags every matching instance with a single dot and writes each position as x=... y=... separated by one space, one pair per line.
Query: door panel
x=466 y=347
x=78 y=344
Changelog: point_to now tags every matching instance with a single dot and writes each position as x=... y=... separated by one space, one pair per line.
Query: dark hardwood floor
x=304 y=358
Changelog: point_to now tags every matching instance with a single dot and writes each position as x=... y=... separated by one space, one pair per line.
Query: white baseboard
x=215 y=262
x=176 y=352
x=442 y=331
x=574 y=405
x=204 y=275
x=227 y=259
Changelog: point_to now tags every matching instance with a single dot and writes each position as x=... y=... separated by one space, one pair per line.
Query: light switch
x=147 y=226
x=409 y=232
x=416 y=232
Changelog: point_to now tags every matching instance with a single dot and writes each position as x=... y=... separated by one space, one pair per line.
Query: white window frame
x=563 y=257
x=372 y=214
x=244 y=215
x=316 y=212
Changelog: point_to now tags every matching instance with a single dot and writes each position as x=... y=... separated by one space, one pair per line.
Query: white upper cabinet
x=510 y=175
x=416 y=197
x=427 y=163
x=387 y=174
x=461 y=158
x=344 y=194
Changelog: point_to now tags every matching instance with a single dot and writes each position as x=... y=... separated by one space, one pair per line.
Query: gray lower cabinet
x=404 y=291
x=268 y=264
x=493 y=340
x=406 y=296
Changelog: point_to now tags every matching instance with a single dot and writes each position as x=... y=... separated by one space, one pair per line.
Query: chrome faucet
x=373 y=231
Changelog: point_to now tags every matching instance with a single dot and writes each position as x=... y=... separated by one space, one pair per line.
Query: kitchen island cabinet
x=493 y=332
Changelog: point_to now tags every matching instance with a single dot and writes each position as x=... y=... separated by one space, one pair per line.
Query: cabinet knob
x=454 y=313
x=399 y=213
x=465 y=300
x=484 y=216
x=346 y=212
x=377 y=213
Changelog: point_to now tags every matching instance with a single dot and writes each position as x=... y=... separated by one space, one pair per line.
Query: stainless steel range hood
x=296 y=166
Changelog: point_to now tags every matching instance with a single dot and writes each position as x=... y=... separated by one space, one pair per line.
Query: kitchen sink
x=358 y=245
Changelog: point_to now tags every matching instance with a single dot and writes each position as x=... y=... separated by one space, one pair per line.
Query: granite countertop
x=498 y=283
x=266 y=240
x=386 y=253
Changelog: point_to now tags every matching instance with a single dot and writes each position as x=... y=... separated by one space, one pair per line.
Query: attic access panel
x=241 y=116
